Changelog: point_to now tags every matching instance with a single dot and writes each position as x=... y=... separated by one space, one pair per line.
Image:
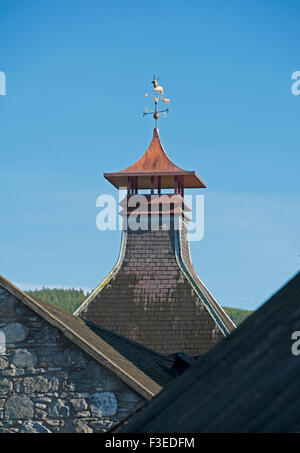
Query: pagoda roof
x=155 y=162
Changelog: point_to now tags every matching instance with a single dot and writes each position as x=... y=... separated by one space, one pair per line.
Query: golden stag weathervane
x=158 y=96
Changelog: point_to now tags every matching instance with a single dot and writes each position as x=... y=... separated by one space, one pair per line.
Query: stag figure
x=157 y=89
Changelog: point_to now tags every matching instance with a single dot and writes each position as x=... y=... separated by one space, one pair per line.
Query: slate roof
x=162 y=369
x=154 y=297
x=248 y=383
x=80 y=334
x=155 y=162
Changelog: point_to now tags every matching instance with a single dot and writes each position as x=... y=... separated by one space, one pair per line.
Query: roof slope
x=248 y=383
x=81 y=335
x=154 y=162
x=157 y=366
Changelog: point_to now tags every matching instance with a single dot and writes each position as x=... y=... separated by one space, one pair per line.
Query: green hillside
x=237 y=314
x=70 y=299
x=66 y=299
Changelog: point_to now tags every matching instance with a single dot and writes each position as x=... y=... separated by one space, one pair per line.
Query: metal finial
x=158 y=96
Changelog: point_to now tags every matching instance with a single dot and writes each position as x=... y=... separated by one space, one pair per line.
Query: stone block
x=103 y=404
x=102 y=426
x=86 y=379
x=59 y=408
x=24 y=358
x=33 y=427
x=39 y=413
x=3 y=363
x=5 y=386
x=80 y=427
x=46 y=335
x=7 y=305
x=18 y=407
x=70 y=358
x=79 y=404
x=15 y=332
x=83 y=414
x=40 y=384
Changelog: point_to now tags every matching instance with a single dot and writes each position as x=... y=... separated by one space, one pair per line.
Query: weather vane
x=158 y=96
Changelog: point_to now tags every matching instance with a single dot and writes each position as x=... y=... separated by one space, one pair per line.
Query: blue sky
x=76 y=76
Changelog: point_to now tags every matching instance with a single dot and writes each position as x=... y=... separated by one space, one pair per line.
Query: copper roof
x=154 y=162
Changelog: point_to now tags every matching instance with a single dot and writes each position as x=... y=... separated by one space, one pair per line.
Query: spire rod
x=158 y=96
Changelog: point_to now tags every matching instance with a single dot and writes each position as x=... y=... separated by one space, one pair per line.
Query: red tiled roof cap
x=155 y=162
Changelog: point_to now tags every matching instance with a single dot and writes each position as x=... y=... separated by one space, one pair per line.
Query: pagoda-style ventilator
x=153 y=294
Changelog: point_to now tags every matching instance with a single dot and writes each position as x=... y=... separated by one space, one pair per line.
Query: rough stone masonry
x=48 y=384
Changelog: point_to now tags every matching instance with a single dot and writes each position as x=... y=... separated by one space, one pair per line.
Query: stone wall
x=48 y=384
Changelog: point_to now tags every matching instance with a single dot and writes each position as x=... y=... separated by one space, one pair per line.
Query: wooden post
x=128 y=185
x=175 y=184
